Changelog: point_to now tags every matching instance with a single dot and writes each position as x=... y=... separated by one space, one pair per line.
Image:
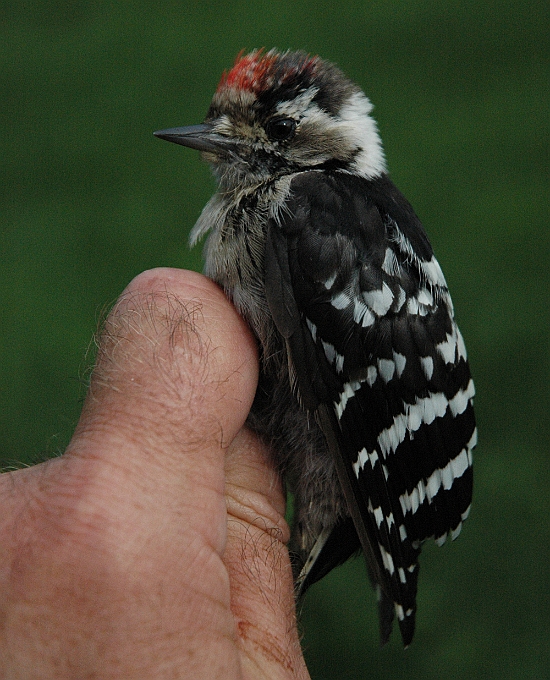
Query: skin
x=155 y=547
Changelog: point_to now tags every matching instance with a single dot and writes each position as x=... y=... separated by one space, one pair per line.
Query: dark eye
x=280 y=129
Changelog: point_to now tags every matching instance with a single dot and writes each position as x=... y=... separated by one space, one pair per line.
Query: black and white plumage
x=365 y=392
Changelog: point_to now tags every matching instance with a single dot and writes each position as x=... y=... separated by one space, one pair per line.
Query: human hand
x=155 y=546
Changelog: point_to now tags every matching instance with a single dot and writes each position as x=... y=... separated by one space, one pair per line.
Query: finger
x=257 y=559
x=176 y=371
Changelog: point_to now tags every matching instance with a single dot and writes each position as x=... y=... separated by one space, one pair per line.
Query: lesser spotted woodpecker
x=365 y=394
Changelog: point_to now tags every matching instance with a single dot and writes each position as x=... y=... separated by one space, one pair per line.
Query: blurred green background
x=90 y=199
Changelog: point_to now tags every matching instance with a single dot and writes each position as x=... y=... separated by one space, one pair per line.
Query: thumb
x=174 y=380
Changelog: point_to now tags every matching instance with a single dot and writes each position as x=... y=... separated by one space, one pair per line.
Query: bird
x=365 y=395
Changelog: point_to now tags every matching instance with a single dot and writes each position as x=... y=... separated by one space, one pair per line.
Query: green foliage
x=89 y=199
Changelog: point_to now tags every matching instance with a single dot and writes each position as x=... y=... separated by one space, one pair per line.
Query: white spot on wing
x=412 y=306
x=400 y=301
x=362 y=458
x=460 y=401
x=447 y=348
x=340 y=301
x=433 y=406
x=427 y=366
x=424 y=410
x=378 y=516
x=312 y=329
x=379 y=301
x=427 y=489
x=372 y=374
x=362 y=315
x=459 y=464
x=446 y=476
x=425 y=297
x=330 y=352
x=455 y=533
x=348 y=392
x=400 y=363
x=390 y=438
x=433 y=272
x=386 y=368
x=433 y=483
x=387 y=559
x=330 y=281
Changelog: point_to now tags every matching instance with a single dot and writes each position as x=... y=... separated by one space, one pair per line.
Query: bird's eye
x=281 y=129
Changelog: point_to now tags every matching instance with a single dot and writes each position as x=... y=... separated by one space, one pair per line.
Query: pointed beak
x=200 y=137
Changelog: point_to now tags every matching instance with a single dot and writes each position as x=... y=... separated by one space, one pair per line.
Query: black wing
x=354 y=288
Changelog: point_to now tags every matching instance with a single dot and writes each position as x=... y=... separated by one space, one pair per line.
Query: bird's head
x=277 y=113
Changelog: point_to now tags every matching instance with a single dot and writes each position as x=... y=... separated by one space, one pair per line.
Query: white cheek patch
x=360 y=127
